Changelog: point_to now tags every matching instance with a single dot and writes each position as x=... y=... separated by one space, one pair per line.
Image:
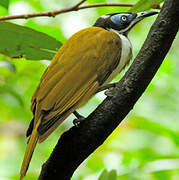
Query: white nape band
x=113 y=30
x=105 y=16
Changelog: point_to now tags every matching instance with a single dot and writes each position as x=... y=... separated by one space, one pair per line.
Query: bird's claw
x=77 y=122
x=109 y=92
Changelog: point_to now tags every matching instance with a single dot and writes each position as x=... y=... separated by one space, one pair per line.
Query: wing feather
x=49 y=126
x=76 y=72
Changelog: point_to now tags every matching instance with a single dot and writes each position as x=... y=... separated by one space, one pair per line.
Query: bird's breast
x=126 y=55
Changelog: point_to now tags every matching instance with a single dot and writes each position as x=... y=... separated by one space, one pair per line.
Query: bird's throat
x=126 y=56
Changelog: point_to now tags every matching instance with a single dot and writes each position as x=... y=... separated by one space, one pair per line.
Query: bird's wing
x=81 y=65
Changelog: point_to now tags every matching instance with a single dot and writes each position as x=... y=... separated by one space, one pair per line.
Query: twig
x=47 y=13
x=75 y=7
x=78 y=4
x=113 y=4
x=106 y=4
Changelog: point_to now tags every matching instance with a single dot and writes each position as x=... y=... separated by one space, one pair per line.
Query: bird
x=86 y=62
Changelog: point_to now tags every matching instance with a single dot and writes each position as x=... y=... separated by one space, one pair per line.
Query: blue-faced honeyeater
x=87 y=61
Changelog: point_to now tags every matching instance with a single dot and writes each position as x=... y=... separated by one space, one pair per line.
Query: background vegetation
x=144 y=146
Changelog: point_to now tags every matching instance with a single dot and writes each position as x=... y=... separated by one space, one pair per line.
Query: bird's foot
x=78 y=120
x=109 y=87
x=109 y=92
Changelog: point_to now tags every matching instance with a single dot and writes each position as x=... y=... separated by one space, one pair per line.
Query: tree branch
x=114 y=4
x=76 y=7
x=77 y=144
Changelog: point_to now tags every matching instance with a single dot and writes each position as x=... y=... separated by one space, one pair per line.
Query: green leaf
x=17 y=41
x=7 y=65
x=4 y=3
x=143 y=5
x=112 y=175
x=105 y=175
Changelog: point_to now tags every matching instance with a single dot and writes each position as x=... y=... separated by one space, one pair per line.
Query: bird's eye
x=124 y=18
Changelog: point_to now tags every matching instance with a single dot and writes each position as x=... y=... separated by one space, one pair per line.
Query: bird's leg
x=79 y=117
x=109 y=88
x=108 y=92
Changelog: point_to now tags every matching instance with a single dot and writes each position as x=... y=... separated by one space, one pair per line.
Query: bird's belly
x=126 y=55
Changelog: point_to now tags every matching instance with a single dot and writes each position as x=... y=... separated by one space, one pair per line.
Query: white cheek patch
x=128 y=27
x=105 y=16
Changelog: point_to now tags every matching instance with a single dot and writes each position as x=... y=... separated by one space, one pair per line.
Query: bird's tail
x=29 y=151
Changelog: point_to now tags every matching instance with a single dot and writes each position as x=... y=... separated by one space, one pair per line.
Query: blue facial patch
x=118 y=19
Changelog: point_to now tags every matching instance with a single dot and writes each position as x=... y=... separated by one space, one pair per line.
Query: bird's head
x=121 y=22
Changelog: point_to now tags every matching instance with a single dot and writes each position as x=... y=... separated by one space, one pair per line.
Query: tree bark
x=75 y=145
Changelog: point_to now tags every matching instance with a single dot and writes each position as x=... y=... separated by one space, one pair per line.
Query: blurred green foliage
x=4 y=3
x=143 y=5
x=144 y=146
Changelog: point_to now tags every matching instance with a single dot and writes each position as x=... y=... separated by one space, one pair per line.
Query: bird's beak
x=142 y=15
